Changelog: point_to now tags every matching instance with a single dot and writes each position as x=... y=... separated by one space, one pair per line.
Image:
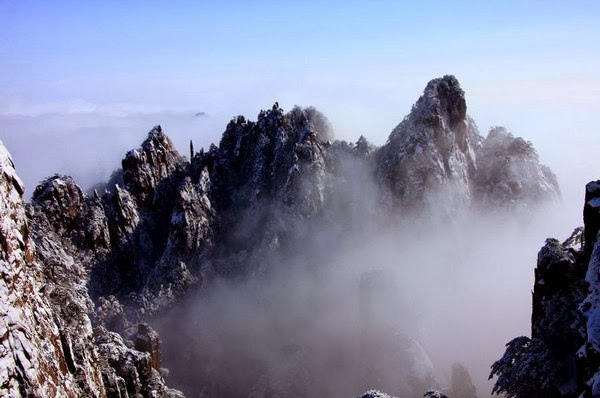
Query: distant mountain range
x=83 y=273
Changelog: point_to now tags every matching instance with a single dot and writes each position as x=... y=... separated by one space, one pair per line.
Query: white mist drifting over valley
x=459 y=289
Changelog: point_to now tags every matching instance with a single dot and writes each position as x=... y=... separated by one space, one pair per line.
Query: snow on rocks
x=49 y=347
x=565 y=318
x=429 y=149
x=509 y=173
x=375 y=394
x=32 y=358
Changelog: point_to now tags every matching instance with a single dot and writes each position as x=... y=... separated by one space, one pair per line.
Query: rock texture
x=590 y=308
x=136 y=242
x=32 y=353
x=509 y=173
x=375 y=394
x=561 y=359
x=436 y=155
x=127 y=372
x=49 y=346
x=430 y=150
x=266 y=177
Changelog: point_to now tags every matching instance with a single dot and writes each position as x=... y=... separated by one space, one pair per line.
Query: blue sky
x=105 y=72
x=108 y=52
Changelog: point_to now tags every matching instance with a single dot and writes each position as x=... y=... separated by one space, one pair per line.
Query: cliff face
x=50 y=347
x=266 y=177
x=32 y=354
x=561 y=359
x=590 y=307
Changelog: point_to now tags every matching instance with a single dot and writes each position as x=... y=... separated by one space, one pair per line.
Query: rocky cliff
x=561 y=359
x=431 y=152
x=50 y=347
x=84 y=271
x=32 y=354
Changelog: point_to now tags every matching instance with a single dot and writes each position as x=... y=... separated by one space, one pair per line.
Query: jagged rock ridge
x=163 y=225
x=32 y=357
x=50 y=347
x=267 y=185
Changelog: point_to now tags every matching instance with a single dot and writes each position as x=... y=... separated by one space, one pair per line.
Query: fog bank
x=369 y=311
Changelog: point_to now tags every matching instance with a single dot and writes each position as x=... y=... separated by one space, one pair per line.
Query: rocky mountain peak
x=156 y=162
x=32 y=355
x=436 y=152
x=430 y=150
x=443 y=99
x=61 y=200
x=14 y=231
x=49 y=346
x=313 y=121
x=562 y=357
x=509 y=172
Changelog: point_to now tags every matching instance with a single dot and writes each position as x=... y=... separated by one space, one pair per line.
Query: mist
x=364 y=299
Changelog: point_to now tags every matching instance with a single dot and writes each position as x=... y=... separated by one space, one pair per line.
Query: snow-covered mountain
x=50 y=347
x=437 y=154
x=83 y=272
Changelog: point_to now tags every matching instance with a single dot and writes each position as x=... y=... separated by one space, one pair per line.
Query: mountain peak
x=444 y=98
x=155 y=131
x=430 y=148
x=148 y=166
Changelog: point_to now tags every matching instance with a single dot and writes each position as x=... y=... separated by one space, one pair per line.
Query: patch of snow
x=595 y=202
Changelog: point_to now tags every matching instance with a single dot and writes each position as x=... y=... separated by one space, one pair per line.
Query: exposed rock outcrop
x=33 y=360
x=375 y=394
x=267 y=186
x=151 y=172
x=509 y=173
x=562 y=357
x=48 y=346
x=128 y=372
x=138 y=241
x=436 y=155
x=267 y=177
x=590 y=308
x=431 y=149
